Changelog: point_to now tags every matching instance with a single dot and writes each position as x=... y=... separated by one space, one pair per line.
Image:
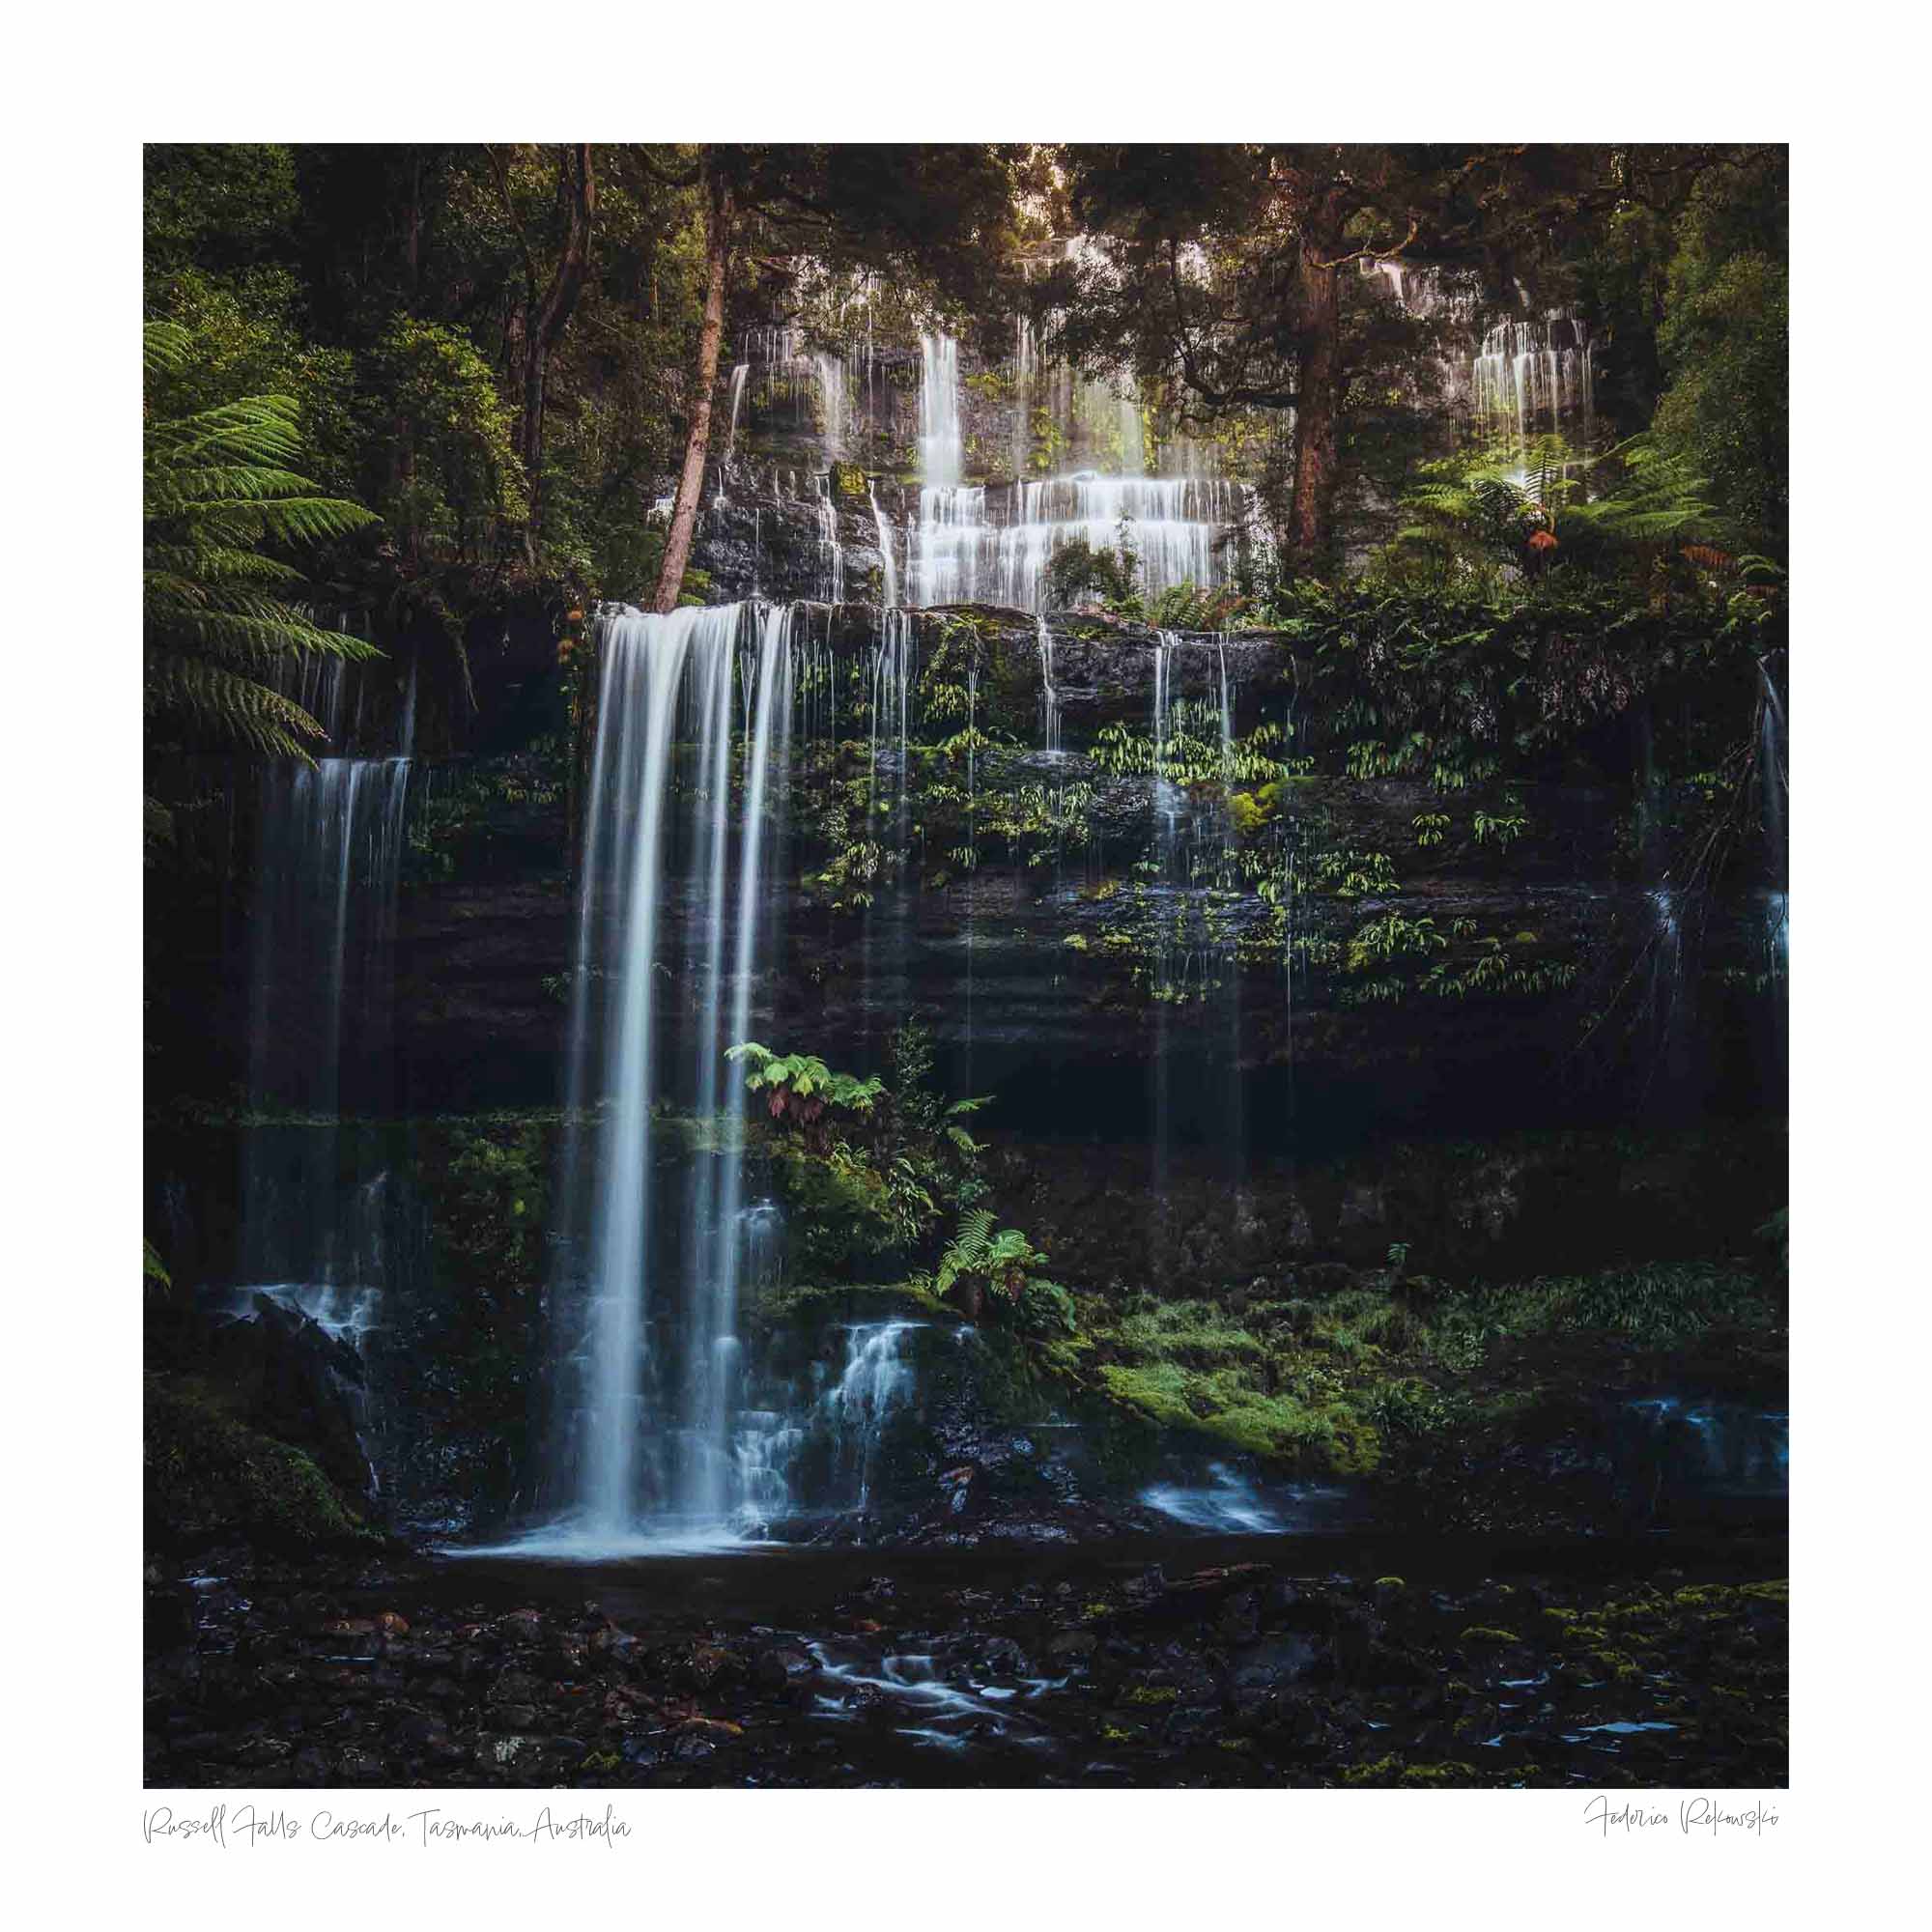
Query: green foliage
x=230 y=202
x=997 y=1262
x=458 y=482
x=1079 y=571
x=1045 y=1309
x=800 y=1088
x=1727 y=409
x=492 y=1209
x=207 y=1475
x=1185 y=607
x=1454 y=686
x=220 y=496
x=1660 y=1305
x=1488 y=523
x=996 y=1259
x=866 y=1167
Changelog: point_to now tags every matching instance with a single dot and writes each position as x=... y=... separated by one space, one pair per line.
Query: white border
x=88 y=87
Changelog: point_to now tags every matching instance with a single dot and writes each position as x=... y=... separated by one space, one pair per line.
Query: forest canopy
x=507 y=354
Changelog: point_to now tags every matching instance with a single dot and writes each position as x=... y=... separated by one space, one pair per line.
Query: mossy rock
x=207 y=1476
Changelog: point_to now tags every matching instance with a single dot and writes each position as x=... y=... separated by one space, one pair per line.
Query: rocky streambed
x=1159 y=1660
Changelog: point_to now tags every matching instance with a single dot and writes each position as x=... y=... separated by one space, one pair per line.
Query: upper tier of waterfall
x=1536 y=378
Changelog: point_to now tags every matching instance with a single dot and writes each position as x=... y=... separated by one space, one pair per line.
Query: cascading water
x=877 y=1379
x=888 y=795
x=329 y=858
x=1049 y=694
x=738 y=376
x=979 y=545
x=830 y=374
x=828 y=537
x=1533 y=376
x=890 y=575
x=1177 y=526
x=1165 y=821
x=1023 y=368
x=940 y=448
x=647 y=1444
x=1194 y=959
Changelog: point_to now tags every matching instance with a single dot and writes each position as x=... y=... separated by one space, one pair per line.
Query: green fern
x=977 y=1252
x=802 y=1083
x=218 y=485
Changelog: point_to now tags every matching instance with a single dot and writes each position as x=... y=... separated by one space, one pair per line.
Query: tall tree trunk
x=697 y=443
x=1318 y=390
x=545 y=328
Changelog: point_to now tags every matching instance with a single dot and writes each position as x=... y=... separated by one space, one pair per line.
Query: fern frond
x=214 y=703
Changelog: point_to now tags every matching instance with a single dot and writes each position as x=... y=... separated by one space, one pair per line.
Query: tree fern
x=218 y=485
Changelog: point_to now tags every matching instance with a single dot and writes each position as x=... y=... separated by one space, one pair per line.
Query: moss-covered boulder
x=209 y=1477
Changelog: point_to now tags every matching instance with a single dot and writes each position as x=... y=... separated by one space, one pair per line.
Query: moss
x=1354 y=1447
x=207 y=1475
x=1221 y=1406
x=1399 y=1773
x=1489 y=1633
x=810 y=1304
x=1153 y=1693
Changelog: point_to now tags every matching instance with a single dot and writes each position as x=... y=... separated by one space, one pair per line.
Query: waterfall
x=1023 y=367
x=1164 y=831
x=876 y=1380
x=648 y=1387
x=1532 y=377
x=738 y=375
x=941 y=454
x=1194 y=955
x=889 y=808
x=890 y=584
x=1049 y=692
x=1177 y=526
x=323 y=930
x=973 y=545
x=830 y=373
x=1133 y=455
x=971 y=852
x=828 y=536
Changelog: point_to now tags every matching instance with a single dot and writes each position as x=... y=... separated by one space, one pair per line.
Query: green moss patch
x=207 y=1475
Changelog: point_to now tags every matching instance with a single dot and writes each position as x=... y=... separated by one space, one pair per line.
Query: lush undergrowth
x=1339 y=1383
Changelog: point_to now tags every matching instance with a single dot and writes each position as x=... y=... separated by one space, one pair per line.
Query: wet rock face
x=1514 y=1205
x=1407 y=951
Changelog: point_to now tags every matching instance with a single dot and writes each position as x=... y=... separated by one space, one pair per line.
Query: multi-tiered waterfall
x=992 y=544
x=1536 y=378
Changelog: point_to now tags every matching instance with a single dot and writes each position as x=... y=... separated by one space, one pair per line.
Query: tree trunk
x=1318 y=387
x=545 y=328
x=697 y=443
